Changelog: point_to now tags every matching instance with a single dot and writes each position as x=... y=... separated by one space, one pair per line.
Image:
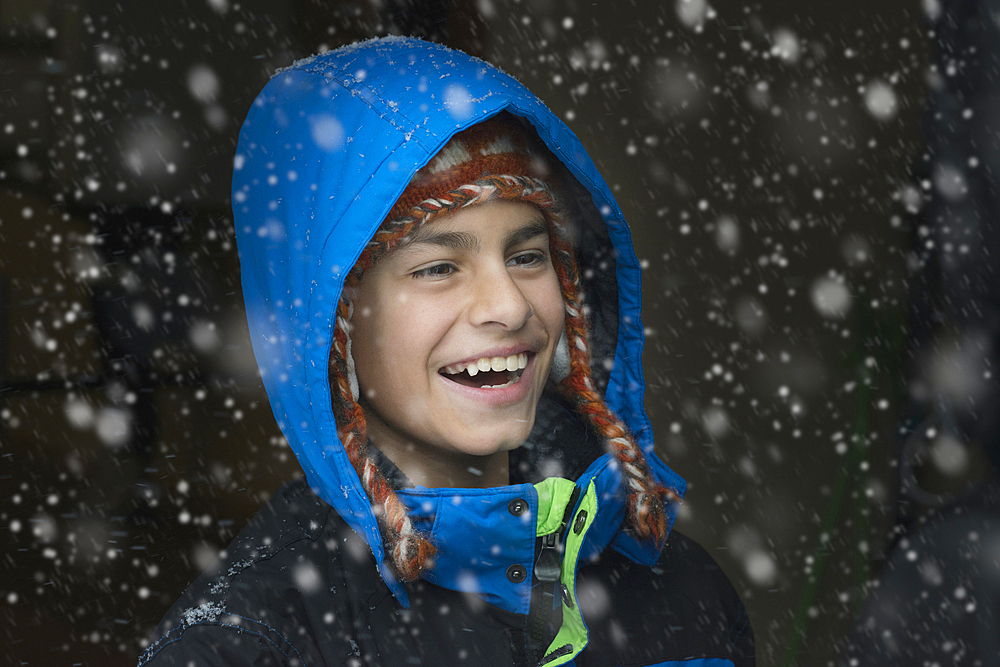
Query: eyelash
x=536 y=258
x=429 y=272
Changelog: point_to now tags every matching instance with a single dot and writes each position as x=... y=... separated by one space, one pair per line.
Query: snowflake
x=206 y=612
x=238 y=567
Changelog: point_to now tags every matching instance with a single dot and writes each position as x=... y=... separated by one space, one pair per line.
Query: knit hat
x=498 y=159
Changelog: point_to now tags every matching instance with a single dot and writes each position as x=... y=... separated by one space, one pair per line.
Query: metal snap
x=581 y=519
x=517 y=507
x=516 y=573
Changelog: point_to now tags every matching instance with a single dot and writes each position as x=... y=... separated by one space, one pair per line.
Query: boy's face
x=475 y=288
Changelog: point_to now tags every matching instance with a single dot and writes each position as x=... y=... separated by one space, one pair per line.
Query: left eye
x=527 y=259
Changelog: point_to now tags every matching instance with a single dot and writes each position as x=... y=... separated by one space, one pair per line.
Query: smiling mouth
x=488 y=372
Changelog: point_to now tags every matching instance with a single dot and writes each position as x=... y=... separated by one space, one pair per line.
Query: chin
x=488 y=441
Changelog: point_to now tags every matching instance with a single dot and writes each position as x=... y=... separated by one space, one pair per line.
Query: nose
x=498 y=299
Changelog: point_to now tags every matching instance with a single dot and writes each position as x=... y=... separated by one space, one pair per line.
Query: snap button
x=517 y=507
x=581 y=519
x=516 y=574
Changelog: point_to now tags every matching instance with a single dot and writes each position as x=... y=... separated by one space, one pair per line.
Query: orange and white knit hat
x=497 y=159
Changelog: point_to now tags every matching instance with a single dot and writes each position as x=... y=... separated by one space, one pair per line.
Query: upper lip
x=496 y=352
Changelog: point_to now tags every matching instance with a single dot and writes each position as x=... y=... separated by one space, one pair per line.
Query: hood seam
x=355 y=87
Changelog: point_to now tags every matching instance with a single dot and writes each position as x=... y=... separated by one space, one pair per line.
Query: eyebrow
x=452 y=240
x=466 y=241
x=536 y=227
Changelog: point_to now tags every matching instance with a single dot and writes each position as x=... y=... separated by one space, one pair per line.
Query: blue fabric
x=483 y=539
x=326 y=149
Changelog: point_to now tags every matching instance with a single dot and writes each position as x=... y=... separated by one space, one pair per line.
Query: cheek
x=367 y=337
x=550 y=307
x=387 y=348
x=372 y=346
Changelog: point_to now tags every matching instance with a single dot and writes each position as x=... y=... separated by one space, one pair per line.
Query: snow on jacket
x=537 y=572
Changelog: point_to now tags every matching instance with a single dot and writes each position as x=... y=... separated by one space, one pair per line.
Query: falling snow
x=785 y=189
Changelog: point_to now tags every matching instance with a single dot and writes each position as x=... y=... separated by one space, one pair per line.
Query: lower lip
x=499 y=396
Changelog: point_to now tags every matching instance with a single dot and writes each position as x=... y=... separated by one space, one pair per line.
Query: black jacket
x=299 y=587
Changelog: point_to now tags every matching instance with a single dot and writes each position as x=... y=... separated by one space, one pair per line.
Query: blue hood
x=327 y=148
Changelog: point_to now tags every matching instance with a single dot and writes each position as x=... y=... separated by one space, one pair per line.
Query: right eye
x=435 y=271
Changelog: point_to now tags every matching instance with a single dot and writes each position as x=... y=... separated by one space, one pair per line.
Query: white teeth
x=500 y=386
x=514 y=362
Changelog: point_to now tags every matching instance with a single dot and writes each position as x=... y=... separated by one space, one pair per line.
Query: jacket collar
x=481 y=534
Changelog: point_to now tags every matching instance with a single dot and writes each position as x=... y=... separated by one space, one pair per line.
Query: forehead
x=482 y=218
x=506 y=222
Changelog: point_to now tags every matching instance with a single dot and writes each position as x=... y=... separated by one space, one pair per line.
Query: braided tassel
x=646 y=496
x=409 y=550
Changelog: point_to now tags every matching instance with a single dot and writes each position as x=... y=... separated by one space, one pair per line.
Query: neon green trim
x=553 y=494
x=573 y=630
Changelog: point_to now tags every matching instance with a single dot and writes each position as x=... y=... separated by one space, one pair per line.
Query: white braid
x=369 y=470
x=352 y=374
x=632 y=480
x=402 y=546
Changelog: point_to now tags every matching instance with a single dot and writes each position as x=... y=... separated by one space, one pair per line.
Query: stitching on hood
x=367 y=93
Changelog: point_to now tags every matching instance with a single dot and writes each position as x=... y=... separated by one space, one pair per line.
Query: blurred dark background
x=812 y=189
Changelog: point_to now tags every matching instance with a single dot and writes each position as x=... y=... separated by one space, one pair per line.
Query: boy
x=443 y=301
